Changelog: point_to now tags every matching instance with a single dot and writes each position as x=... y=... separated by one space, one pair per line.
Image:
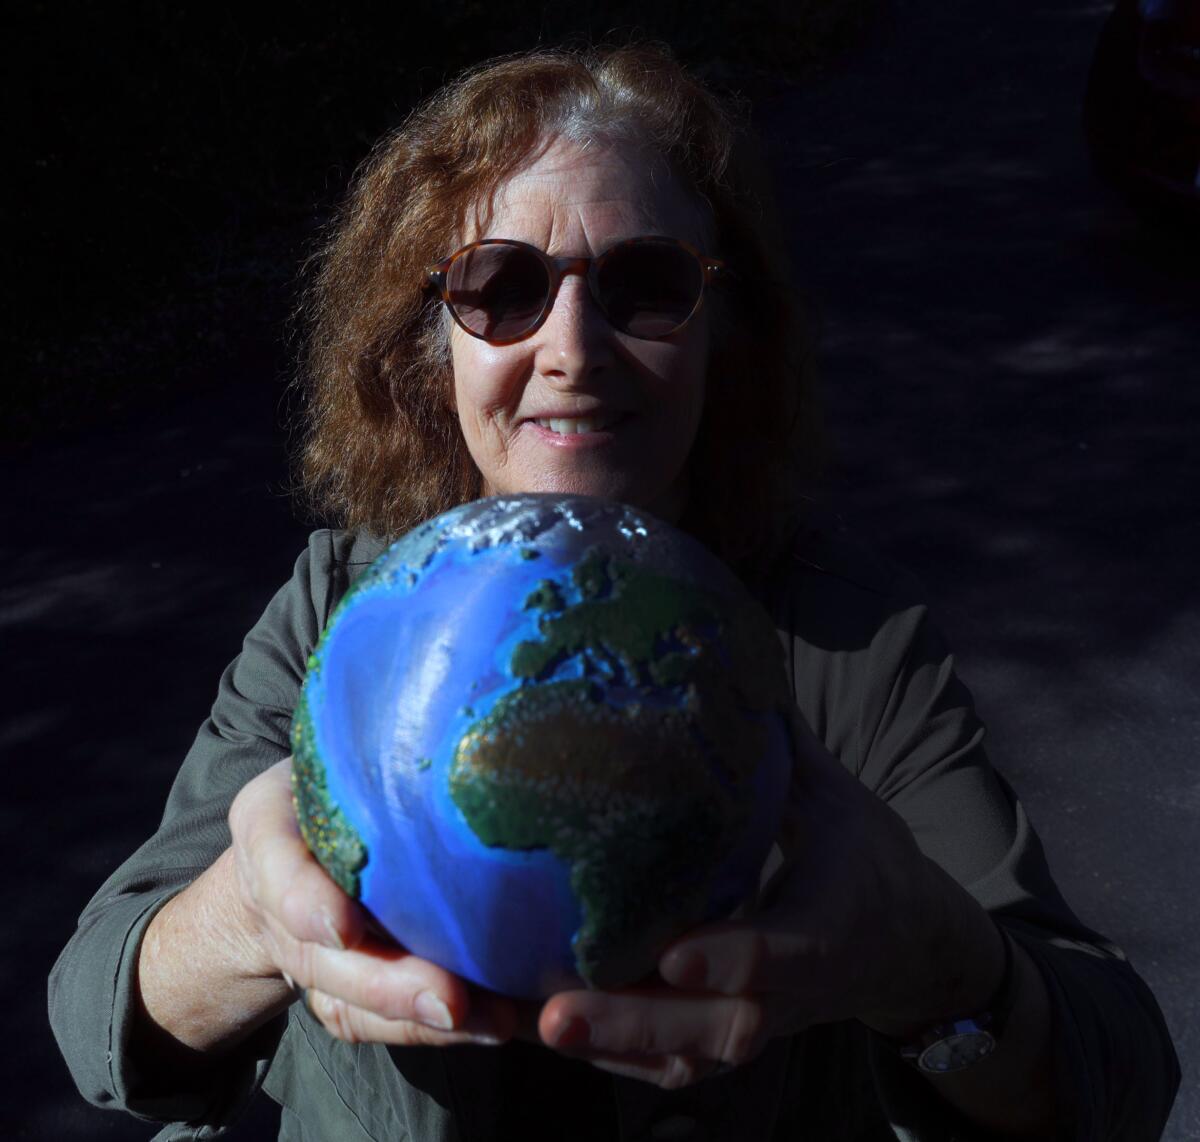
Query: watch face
x=956 y=1051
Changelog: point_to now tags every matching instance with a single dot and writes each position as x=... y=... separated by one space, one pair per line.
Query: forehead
x=572 y=197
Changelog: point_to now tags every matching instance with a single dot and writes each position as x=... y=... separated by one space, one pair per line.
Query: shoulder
x=831 y=588
x=330 y=562
x=333 y=550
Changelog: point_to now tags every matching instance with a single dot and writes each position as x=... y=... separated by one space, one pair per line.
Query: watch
x=956 y=1044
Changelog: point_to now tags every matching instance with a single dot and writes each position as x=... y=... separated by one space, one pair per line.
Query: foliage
x=177 y=159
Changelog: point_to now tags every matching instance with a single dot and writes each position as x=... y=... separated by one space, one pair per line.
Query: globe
x=540 y=738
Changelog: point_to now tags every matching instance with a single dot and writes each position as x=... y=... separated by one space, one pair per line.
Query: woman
x=555 y=277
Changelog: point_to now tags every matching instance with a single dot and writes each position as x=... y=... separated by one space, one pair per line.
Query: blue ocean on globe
x=540 y=738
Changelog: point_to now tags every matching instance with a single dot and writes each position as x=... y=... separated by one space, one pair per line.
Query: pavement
x=1010 y=364
x=1009 y=361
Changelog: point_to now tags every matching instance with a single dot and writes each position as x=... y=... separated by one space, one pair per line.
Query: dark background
x=1008 y=359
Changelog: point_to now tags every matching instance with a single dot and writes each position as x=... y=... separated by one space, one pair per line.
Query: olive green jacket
x=873 y=680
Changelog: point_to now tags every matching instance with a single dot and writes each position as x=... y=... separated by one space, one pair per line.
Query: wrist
x=956 y=965
x=234 y=923
x=203 y=978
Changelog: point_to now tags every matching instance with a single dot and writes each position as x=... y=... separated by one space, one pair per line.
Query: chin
x=665 y=503
x=663 y=496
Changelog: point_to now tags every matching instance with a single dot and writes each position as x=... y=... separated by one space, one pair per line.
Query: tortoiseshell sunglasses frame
x=559 y=268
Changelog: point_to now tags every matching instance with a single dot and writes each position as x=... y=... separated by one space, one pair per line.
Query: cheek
x=486 y=383
x=689 y=379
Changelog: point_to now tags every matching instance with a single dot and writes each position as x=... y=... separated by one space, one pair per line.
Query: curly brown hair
x=382 y=449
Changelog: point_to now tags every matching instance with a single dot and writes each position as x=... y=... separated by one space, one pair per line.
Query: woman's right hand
x=360 y=986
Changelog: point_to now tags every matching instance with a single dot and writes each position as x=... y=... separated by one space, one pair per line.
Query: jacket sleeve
x=92 y=986
x=919 y=746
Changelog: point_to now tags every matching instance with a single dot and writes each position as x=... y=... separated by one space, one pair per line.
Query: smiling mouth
x=579 y=426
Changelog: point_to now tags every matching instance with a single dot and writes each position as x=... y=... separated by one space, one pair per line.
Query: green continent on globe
x=602 y=802
x=328 y=834
x=653 y=630
x=642 y=800
x=545 y=597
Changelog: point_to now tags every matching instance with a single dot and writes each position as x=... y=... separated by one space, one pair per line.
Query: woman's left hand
x=856 y=924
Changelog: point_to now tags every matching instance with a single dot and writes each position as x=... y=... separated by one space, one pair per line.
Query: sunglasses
x=501 y=291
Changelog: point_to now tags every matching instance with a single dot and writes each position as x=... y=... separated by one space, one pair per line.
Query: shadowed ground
x=1009 y=362
x=1010 y=365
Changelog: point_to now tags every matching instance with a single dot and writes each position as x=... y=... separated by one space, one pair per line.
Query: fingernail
x=577 y=1033
x=485 y=1040
x=433 y=1012
x=690 y=970
x=324 y=922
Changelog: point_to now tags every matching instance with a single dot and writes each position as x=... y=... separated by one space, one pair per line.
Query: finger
x=388 y=981
x=354 y=1025
x=728 y=1030
x=742 y=959
x=287 y=882
x=674 y=1072
x=382 y=979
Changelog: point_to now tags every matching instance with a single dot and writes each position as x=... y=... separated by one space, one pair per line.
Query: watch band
x=955 y=1044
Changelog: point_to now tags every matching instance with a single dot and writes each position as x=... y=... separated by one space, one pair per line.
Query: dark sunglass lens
x=497 y=291
x=649 y=289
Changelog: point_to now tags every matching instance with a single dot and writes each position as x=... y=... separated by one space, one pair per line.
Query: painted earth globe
x=540 y=738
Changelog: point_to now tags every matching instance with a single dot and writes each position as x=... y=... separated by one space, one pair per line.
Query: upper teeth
x=566 y=427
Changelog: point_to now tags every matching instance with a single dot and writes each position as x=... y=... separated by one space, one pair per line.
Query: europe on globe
x=540 y=738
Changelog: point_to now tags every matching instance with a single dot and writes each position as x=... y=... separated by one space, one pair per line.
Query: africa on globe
x=540 y=738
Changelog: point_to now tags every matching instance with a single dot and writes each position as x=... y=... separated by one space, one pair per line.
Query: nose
x=576 y=341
